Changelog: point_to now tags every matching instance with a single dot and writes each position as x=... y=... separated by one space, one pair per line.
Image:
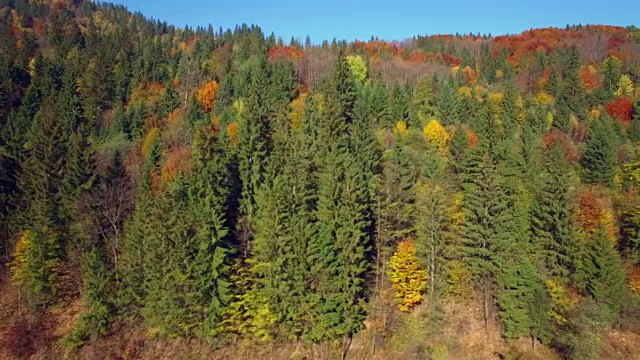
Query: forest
x=192 y=193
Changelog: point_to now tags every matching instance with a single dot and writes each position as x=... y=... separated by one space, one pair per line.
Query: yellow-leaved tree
x=297 y=110
x=436 y=134
x=18 y=267
x=625 y=87
x=358 y=69
x=408 y=278
x=401 y=128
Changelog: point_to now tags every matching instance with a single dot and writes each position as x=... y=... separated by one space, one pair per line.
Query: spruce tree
x=599 y=158
x=209 y=196
x=606 y=280
x=253 y=146
x=41 y=181
x=337 y=254
x=552 y=217
x=170 y=101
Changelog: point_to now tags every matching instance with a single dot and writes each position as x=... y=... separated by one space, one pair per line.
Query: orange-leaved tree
x=407 y=276
x=207 y=95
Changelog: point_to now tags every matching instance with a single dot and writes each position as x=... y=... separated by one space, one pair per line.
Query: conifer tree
x=253 y=146
x=170 y=101
x=395 y=203
x=434 y=225
x=606 y=278
x=209 y=200
x=599 y=158
x=337 y=254
x=41 y=181
x=552 y=217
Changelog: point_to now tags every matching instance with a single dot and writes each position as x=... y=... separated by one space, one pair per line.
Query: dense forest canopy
x=228 y=187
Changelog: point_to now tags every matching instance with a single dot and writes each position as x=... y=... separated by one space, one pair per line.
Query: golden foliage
x=562 y=299
x=465 y=91
x=549 y=120
x=232 y=132
x=495 y=104
x=594 y=114
x=625 y=87
x=149 y=140
x=18 y=267
x=455 y=69
x=239 y=107
x=470 y=75
x=543 y=98
x=407 y=276
x=479 y=90
x=436 y=134
x=297 y=110
x=207 y=95
x=521 y=115
x=455 y=211
x=634 y=279
x=459 y=281
x=401 y=128
x=32 y=67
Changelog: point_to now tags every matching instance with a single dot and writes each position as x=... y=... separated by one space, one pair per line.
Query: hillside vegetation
x=187 y=193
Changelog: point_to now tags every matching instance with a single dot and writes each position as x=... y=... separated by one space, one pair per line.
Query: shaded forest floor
x=459 y=335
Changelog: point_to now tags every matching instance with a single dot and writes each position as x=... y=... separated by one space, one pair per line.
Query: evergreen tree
x=170 y=101
x=253 y=146
x=434 y=225
x=599 y=158
x=209 y=196
x=41 y=181
x=552 y=217
x=337 y=254
x=606 y=278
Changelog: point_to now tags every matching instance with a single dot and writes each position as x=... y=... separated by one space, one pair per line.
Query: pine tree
x=170 y=101
x=434 y=229
x=209 y=197
x=599 y=159
x=253 y=146
x=606 y=280
x=41 y=181
x=552 y=217
x=487 y=212
x=395 y=204
x=447 y=103
x=337 y=254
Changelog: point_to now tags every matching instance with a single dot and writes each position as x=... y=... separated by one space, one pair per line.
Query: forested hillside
x=197 y=193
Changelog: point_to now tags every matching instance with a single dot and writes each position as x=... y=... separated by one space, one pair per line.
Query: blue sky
x=389 y=20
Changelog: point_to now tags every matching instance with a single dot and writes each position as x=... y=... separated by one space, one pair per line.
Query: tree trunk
x=346 y=344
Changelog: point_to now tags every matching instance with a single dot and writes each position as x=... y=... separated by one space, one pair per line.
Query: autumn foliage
x=176 y=161
x=18 y=266
x=280 y=53
x=589 y=77
x=621 y=109
x=436 y=134
x=207 y=95
x=593 y=210
x=407 y=276
x=634 y=279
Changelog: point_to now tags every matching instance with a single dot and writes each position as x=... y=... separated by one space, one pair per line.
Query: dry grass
x=461 y=336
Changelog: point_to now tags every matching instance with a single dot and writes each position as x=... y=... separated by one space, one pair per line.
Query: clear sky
x=389 y=20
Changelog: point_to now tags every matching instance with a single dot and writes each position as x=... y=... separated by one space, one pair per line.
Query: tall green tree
x=599 y=158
